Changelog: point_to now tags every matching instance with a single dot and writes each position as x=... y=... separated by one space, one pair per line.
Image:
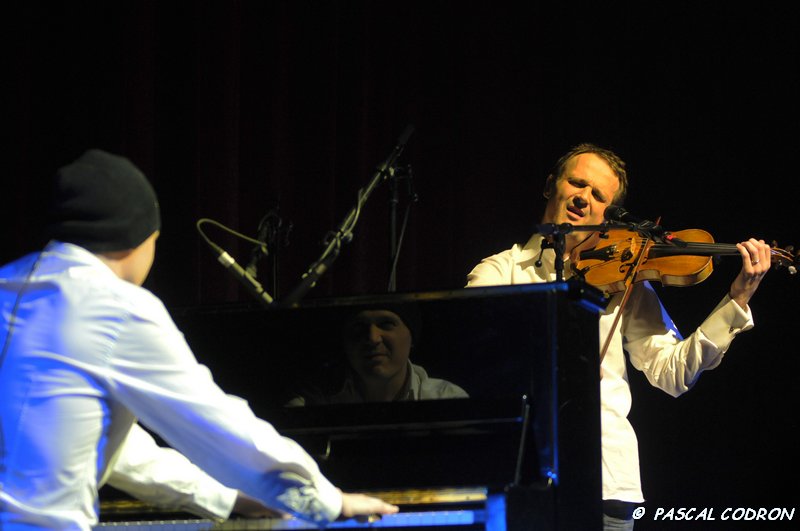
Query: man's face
x=582 y=193
x=377 y=344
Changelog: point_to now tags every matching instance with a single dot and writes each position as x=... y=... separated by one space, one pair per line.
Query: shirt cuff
x=330 y=498
x=215 y=501
x=726 y=321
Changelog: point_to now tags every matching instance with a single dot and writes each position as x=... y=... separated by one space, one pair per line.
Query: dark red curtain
x=238 y=108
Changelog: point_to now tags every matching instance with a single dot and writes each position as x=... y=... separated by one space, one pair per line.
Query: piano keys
x=408 y=520
x=462 y=509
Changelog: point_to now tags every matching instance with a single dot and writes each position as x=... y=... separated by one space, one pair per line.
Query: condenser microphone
x=618 y=213
x=251 y=284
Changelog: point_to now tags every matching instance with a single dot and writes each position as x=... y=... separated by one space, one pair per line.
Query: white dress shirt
x=165 y=478
x=85 y=355
x=652 y=342
x=419 y=386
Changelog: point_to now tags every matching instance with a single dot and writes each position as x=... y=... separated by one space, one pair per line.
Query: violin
x=684 y=259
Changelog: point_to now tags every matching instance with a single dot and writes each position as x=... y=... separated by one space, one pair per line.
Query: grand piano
x=522 y=452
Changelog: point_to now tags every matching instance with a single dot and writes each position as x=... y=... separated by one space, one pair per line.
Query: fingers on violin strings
x=766 y=250
x=758 y=253
x=764 y=254
x=746 y=252
x=750 y=255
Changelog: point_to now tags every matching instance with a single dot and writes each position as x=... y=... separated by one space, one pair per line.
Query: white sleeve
x=655 y=347
x=165 y=478
x=153 y=372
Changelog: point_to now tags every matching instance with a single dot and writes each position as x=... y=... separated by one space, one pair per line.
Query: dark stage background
x=236 y=108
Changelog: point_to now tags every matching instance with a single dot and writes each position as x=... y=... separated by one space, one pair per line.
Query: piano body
x=522 y=452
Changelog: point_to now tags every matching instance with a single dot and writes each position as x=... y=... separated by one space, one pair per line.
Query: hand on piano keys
x=365 y=508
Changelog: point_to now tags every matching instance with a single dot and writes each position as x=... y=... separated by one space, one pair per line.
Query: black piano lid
x=476 y=337
x=519 y=351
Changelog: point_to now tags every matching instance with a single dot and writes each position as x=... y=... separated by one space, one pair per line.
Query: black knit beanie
x=407 y=312
x=102 y=202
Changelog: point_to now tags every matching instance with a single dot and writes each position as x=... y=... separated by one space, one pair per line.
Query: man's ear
x=549 y=184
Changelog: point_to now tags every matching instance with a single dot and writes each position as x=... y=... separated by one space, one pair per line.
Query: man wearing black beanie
x=102 y=202
x=375 y=364
x=87 y=353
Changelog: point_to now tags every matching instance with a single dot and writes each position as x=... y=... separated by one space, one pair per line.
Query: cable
x=7 y=343
x=200 y=221
x=253 y=286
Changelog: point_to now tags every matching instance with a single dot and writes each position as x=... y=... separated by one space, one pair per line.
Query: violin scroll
x=786 y=257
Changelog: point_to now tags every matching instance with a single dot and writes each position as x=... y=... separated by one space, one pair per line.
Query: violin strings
x=706 y=248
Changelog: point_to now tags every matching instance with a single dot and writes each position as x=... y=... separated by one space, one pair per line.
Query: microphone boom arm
x=344 y=233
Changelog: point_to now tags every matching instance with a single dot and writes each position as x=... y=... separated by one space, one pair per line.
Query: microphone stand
x=272 y=234
x=558 y=241
x=395 y=236
x=394 y=200
x=344 y=233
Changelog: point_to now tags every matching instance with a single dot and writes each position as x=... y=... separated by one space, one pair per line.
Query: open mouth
x=575 y=211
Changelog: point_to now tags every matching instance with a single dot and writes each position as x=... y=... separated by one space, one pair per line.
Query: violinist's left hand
x=755 y=264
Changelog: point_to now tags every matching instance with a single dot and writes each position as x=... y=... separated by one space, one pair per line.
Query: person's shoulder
x=439 y=388
x=522 y=250
x=17 y=273
x=531 y=246
x=433 y=388
x=105 y=283
x=90 y=284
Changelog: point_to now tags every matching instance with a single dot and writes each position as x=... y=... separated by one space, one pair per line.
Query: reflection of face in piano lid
x=377 y=344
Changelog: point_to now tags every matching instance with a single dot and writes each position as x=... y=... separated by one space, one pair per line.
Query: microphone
x=251 y=284
x=398 y=149
x=617 y=213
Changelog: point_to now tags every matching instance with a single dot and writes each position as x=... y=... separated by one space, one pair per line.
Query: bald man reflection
x=377 y=345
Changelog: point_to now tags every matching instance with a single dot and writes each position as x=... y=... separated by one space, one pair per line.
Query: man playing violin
x=585 y=181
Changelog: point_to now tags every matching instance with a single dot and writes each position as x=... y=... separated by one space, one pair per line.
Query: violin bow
x=629 y=277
